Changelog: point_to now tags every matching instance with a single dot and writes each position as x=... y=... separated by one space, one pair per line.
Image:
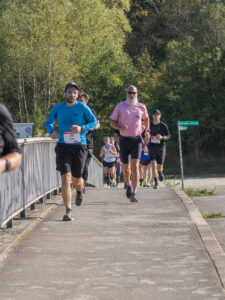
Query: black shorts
x=109 y=164
x=157 y=154
x=130 y=148
x=71 y=159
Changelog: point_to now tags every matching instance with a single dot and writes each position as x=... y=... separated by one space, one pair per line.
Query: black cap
x=157 y=111
x=74 y=84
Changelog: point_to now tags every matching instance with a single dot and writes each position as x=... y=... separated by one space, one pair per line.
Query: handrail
x=35 y=178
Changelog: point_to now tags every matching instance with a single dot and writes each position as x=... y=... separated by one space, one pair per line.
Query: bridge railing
x=35 y=178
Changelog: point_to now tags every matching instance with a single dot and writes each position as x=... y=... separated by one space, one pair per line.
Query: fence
x=36 y=177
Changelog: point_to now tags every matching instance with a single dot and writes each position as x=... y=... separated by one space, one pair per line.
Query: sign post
x=180 y=152
x=183 y=125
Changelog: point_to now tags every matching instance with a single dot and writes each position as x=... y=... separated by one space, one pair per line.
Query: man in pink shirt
x=127 y=117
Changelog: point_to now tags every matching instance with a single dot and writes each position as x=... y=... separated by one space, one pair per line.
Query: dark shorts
x=109 y=164
x=71 y=159
x=157 y=154
x=130 y=148
x=144 y=162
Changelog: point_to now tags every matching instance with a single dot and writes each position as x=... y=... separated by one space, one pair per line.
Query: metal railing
x=35 y=178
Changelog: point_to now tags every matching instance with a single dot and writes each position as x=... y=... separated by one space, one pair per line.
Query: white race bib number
x=71 y=138
x=154 y=140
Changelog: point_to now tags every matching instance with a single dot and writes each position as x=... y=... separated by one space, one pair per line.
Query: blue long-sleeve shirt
x=77 y=114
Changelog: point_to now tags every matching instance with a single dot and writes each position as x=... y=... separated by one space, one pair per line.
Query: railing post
x=32 y=207
x=23 y=214
x=41 y=200
x=9 y=223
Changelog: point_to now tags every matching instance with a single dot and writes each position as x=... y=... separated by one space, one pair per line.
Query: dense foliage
x=173 y=50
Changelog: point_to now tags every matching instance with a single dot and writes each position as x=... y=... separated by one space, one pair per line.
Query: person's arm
x=97 y=126
x=11 y=160
x=113 y=151
x=49 y=123
x=166 y=135
x=146 y=124
x=115 y=125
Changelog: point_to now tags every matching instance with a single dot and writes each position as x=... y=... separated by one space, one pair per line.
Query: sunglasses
x=132 y=93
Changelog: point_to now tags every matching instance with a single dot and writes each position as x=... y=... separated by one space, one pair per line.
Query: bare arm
x=146 y=124
x=15 y=159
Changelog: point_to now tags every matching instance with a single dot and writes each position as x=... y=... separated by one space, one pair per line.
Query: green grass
x=199 y=193
x=213 y=215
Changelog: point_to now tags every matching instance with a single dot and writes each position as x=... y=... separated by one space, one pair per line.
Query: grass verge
x=213 y=215
x=199 y=193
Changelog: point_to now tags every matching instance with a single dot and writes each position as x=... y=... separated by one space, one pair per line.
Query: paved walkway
x=113 y=250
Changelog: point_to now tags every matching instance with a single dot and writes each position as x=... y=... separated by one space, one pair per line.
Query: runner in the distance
x=126 y=117
x=71 y=149
x=157 y=151
x=84 y=99
x=108 y=152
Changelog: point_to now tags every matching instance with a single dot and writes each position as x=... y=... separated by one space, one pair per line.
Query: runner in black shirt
x=157 y=148
x=10 y=156
x=84 y=99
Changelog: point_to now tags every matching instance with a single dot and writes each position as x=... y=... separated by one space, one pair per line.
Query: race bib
x=70 y=137
x=154 y=140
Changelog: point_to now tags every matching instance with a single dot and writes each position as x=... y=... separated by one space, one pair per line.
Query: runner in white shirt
x=108 y=152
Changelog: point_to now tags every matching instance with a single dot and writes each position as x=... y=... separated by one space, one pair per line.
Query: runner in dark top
x=157 y=151
x=84 y=98
x=10 y=157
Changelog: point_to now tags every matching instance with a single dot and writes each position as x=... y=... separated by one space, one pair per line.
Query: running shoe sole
x=67 y=217
x=133 y=199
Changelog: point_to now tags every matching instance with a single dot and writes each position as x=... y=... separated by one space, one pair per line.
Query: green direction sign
x=183 y=127
x=188 y=123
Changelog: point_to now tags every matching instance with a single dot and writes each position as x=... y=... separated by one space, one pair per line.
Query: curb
x=207 y=236
x=4 y=254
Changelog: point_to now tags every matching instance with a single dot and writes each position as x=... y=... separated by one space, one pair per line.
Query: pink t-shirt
x=130 y=115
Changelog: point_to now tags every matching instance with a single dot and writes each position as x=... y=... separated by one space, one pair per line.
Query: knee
x=66 y=178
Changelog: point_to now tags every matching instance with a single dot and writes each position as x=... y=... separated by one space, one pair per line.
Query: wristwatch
x=8 y=165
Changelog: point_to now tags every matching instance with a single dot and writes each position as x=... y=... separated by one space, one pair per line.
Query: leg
x=87 y=163
x=106 y=173
x=66 y=189
x=145 y=168
x=127 y=173
x=135 y=174
x=155 y=173
x=79 y=183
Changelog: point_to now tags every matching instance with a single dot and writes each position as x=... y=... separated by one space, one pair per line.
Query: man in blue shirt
x=74 y=119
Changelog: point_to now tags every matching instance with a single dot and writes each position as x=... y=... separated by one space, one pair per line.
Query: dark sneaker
x=156 y=186
x=161 y=176
x=79 y=198
x=68 y=215
x=128 y=192
x=133 y=198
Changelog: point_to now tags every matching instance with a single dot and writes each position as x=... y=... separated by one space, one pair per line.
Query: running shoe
x=108 y=186
x=133 y=198
x=156 y=186
x=128 y=192
x=141 y=184
x=79 y=198
x=68 y=215
x=113 y=182
x=161 y=176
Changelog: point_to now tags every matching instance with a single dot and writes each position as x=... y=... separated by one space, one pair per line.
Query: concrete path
x=113 y=250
